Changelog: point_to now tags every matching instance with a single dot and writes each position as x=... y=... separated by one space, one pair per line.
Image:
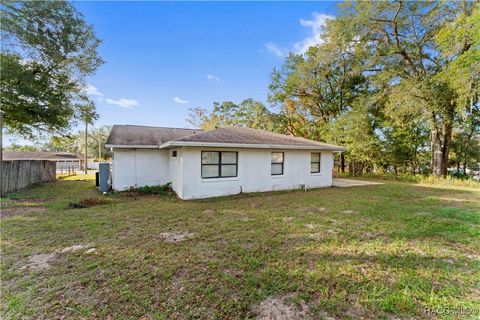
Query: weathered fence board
x=19 y=174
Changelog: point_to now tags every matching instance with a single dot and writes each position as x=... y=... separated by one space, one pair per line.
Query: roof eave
x=131 y=146
x=172 y=144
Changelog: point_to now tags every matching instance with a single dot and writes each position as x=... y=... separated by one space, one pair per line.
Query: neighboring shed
x=64 y=160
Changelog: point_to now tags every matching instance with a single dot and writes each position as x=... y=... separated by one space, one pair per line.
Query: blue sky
x=163 y=58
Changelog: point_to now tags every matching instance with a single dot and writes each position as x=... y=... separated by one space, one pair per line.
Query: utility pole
x=86 y=146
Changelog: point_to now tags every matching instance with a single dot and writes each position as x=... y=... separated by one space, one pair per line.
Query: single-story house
x=224 y=161
x=64 y=160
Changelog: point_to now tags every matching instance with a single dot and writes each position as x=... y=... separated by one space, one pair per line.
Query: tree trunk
x=86 y=147
x=446 y=139
x=436 y=163
x=342 y=162
x=440 y=143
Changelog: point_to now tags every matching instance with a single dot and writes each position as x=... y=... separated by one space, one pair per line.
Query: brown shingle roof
x=247 y=136
x=140 y=136
x=40 y=155
x=129 y=135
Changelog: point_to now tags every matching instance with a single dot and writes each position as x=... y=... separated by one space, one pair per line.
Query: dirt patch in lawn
x=280 y=308
x=312 y=210
x=43 y=261
x=89 y=202
x=40 y=261
x=174 y=237
x=75 y=247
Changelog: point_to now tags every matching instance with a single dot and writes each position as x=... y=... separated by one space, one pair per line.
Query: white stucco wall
x=254 y=173
x=139 y=167
x=176 y=171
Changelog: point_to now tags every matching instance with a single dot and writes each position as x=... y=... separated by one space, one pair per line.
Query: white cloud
x=211 y=77
x=92 y=91
x=179 y=100
x=276 y=49
x=316 y=29
x=315 y=25
x=122 y=102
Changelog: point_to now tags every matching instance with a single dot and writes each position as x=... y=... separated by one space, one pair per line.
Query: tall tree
x=47 y=51
x=313 y=89
x=466 y=141
x=248 y=113
x=404 y=54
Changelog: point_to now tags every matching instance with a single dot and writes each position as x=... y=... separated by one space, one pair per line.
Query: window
x=174 y=154
x=216 y=164
x=315 y=163
x=277 y=163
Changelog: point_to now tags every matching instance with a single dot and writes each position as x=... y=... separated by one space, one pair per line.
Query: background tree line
x=395 y=82
x=74 y=143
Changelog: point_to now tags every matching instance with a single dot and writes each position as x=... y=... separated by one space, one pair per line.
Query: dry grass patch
x=21 y=210
x=174 y=237
x=280 y=308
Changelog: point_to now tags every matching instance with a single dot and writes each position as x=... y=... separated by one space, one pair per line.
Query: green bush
x=160 y=190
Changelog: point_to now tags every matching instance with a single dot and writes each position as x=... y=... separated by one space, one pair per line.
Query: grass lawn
x=386 y=251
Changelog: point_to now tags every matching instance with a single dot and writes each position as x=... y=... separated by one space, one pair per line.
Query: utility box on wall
x=104 y=176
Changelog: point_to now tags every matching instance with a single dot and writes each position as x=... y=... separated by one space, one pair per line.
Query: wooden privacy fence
x=19 y=174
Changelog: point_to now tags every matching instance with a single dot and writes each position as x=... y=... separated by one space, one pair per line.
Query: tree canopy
x=47 y=51
x=248 y=113
x=396 y=82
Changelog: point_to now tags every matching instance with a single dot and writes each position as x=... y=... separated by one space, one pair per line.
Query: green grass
x=448 y=182
x=76 y=177
x=404 y=248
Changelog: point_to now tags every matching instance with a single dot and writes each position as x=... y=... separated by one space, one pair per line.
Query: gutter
x=131 y=146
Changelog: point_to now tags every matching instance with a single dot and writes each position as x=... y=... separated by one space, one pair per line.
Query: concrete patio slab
x=346 y=183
